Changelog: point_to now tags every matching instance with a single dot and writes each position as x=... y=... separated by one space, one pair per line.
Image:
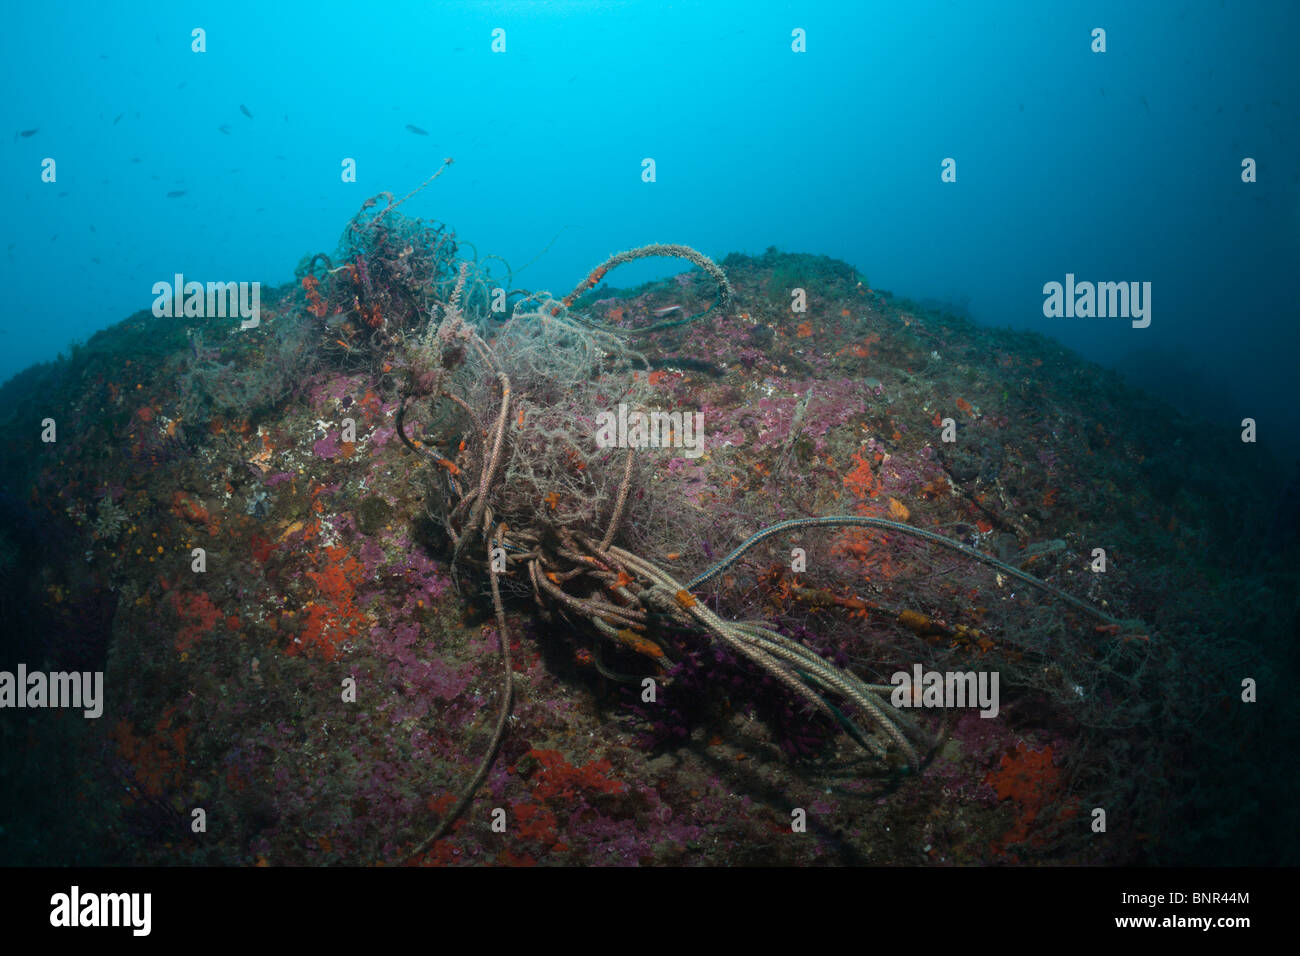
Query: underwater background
x=960 y=156
x=1122 y=166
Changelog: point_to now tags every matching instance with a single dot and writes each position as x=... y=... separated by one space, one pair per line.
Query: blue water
x=1115 y=166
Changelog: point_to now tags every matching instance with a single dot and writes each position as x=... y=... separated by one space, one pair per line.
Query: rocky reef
x=268 y=540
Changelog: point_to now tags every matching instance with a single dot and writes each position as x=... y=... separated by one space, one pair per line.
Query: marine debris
x=525 y=497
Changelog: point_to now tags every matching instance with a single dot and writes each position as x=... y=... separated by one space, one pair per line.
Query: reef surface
x=322 y=688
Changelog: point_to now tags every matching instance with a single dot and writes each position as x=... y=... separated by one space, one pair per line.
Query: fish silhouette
x=176 y=193
x=414 y=129
x=29 y=132
x=244 y=109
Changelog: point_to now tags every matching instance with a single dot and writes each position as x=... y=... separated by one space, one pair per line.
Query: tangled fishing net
x=500 y=391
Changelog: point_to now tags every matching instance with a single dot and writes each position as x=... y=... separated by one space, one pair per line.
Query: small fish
x=414 y=129
x=660 y=313
x=244 y=109
x=28 y=132
x=95 y=259
x=176 y=193
x=119 y=116
x=224 y=129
